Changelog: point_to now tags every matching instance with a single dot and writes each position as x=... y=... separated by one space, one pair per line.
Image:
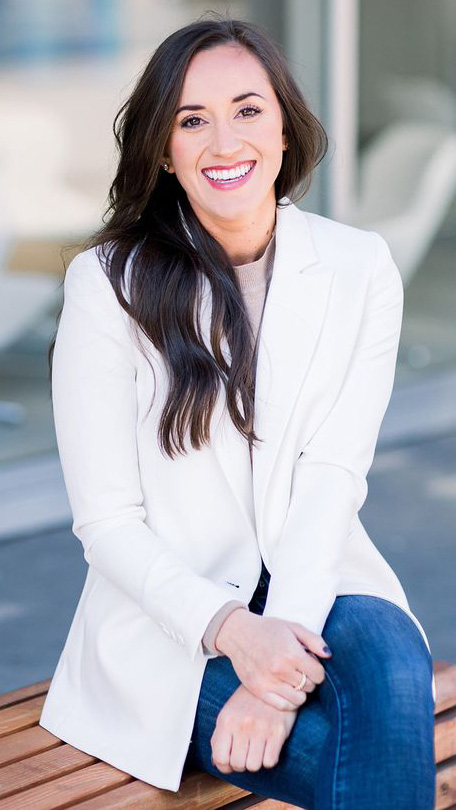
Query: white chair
x=406 y=186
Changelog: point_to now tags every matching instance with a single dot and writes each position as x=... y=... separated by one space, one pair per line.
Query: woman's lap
x=364 y=736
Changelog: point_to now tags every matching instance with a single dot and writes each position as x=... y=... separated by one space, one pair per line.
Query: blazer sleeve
x=95 y=416
x=329 y=482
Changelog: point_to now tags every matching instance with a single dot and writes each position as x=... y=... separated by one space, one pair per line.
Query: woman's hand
x=269 y=656
x=249 y=734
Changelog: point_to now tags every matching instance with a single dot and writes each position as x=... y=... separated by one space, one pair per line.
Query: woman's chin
x=234 y=208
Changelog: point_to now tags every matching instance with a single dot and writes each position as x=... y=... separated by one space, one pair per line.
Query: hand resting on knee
x=249 y=734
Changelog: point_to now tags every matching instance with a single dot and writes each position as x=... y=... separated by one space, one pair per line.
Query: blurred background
x=382 y=78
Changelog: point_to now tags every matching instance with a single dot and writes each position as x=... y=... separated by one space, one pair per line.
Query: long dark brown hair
x=170 y=261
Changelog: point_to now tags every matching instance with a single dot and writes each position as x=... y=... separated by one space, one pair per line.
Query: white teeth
x=228 y=174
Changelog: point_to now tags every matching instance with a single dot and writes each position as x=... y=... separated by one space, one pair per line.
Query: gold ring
x=302 y=682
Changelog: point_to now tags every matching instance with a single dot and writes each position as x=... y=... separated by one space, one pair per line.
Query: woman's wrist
x=215 y=624
x=229 y=629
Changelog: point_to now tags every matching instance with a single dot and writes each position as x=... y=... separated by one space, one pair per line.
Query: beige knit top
x=254 y=279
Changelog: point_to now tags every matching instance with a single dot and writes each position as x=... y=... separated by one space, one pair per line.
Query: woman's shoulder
x=89 y=269
x=87 y=265
x=324 y=228
x=88 y=289
x=351 y=252
x=355 y=252
x=331 y=236
x=348 y=246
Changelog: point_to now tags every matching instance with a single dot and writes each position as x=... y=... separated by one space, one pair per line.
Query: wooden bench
x=41 y=772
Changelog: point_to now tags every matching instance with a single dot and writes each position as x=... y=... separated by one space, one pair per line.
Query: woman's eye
x=253 y=109
x=188 y=123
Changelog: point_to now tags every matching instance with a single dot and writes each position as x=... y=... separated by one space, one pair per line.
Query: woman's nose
x=225 y=142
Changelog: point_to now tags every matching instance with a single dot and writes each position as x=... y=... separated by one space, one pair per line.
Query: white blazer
x=170 y=541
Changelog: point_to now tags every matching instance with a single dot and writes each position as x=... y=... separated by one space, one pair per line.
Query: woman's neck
x=248 y=251
x=244 y=241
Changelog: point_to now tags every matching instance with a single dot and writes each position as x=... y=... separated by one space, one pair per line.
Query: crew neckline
x=257 y=261
x=254 y=275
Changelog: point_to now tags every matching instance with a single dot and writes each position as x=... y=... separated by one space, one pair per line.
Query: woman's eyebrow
x=194 y=107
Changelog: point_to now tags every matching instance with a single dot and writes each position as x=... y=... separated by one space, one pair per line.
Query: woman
x=213 y=467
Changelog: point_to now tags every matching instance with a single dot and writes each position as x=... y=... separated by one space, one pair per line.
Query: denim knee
x=397 y=685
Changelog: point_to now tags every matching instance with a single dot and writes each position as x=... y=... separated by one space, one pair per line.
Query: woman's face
x=235 y=123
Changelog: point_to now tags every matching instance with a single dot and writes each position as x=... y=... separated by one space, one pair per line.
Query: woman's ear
x=166 y=165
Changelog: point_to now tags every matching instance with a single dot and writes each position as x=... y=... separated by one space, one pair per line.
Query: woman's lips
x=226 y=185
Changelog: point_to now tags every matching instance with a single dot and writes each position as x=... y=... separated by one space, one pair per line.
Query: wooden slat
x=446 y=785
x=67 y=790
x=445 y=684
x=137 y=795
x=258 y=802
x=198 y=790
x=25 y=692
x=42 y=768
x=21 y=715
x=445 y=735
x=25 y=743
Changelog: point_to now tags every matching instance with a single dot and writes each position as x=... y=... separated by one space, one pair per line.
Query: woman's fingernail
x=327 y=650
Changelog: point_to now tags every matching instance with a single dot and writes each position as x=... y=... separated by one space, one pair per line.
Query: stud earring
x=166 y=167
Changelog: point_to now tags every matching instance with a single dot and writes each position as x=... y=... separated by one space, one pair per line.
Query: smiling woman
x=240 y=133
x=220 y=372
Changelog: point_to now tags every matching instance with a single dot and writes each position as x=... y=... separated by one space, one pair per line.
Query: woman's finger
x=239 y=751
x=279 y=701
x=255 y=753
x=312 y=666
x=221 y=742
x=313 y=642
x=271 y=752
x=288 y=688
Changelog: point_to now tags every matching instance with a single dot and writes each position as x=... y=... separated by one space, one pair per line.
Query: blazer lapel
x=292 y=320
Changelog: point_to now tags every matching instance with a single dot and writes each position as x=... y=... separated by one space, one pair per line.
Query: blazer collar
x=295 y=248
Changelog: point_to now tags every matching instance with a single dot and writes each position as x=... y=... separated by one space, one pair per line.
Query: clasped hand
x=269 y=656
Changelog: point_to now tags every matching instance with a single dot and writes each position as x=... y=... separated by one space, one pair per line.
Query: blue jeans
x=364 y=738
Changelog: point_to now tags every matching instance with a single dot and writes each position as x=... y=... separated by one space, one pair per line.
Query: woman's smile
x=229 y=177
